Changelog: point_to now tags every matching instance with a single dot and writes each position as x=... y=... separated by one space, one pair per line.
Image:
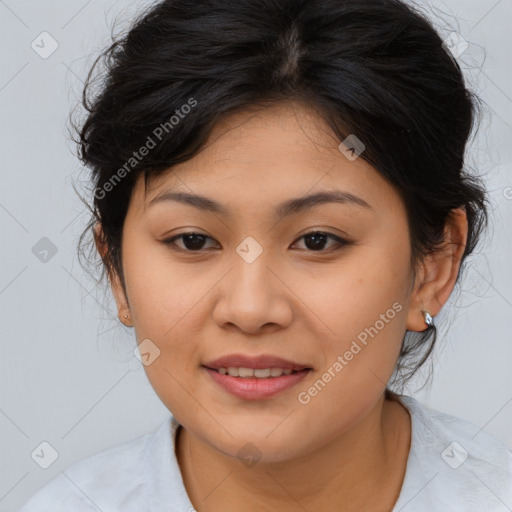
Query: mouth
x=254 y=373
x=255 y=378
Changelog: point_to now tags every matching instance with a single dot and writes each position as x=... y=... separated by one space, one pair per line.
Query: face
x=323 y=285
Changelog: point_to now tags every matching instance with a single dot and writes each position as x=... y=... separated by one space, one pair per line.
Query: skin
x=345 y=450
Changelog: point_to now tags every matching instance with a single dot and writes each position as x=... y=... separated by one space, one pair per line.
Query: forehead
x=268 y=155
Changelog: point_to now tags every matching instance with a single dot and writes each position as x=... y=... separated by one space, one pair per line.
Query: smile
x=259 y=373
x=252 y=387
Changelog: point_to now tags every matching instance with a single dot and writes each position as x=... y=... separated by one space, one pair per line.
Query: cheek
x=364 y=305
x=161 y=290
x=359 y=362
x=165 y=299
x=368 y=286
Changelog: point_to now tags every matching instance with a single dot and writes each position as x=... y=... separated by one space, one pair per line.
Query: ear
x=123 y=307
x=438 y=272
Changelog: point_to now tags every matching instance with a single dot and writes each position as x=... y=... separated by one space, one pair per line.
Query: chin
x=255 y=444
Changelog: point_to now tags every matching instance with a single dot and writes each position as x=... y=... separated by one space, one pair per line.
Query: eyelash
x=340 y=241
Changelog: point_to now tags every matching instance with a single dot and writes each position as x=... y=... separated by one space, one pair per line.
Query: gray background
x=68 y=375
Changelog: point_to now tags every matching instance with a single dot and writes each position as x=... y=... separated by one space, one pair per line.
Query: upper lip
x=258 y=362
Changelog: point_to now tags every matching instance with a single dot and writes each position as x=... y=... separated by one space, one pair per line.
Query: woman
x=281 y=207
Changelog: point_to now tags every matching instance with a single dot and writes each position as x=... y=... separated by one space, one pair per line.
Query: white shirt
x=453 y=466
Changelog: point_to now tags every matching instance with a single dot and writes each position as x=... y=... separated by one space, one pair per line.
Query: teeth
x=233 y=371
x=244 y=372
x=263 y=373
x=260 y=373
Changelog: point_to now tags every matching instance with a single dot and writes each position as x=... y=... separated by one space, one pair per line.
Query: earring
x=428 y=318
x=125 y=319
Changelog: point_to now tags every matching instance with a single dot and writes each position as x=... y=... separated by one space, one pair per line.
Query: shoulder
x=465 y=441
x=113 y=479
x=455 y=464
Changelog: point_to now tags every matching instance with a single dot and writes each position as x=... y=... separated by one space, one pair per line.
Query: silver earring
x=428 y=318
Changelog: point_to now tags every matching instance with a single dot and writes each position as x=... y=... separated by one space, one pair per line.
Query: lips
x=246 y=377
x=259 y=362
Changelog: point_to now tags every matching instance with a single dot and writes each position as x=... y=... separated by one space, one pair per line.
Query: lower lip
x=256 y=389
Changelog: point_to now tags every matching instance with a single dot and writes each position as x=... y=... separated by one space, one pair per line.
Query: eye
x=315 y=241
x=193 y=241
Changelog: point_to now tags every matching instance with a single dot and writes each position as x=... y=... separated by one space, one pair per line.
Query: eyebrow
x=287 y=208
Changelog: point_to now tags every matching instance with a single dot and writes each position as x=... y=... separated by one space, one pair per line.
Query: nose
x=254 y=297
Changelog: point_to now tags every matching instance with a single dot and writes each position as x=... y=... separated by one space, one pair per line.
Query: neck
x=361 y=469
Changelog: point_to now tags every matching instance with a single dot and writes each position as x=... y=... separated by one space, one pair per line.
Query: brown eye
x=192 y=241
x=316 y=240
